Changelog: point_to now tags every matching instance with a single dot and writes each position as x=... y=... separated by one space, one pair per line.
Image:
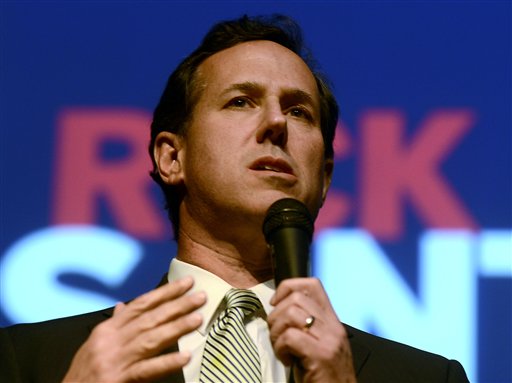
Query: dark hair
x=181 y=93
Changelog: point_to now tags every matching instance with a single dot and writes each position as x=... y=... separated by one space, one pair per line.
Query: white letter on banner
x=369 y=293
x=496 y=253
x=29 y=270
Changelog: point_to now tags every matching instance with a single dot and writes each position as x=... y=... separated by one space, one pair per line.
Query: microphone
x=288 y=229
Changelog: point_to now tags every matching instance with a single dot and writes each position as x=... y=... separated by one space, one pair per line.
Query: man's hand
x=320 y=353
x=127 y=347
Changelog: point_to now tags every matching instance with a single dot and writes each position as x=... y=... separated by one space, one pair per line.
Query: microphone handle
x=290 y=253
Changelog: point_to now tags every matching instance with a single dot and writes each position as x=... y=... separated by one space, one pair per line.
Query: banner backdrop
x=414 y=242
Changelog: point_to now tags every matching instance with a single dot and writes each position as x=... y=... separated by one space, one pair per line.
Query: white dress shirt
x=272 y=370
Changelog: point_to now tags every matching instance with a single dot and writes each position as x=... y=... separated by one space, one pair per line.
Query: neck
x=241 y=267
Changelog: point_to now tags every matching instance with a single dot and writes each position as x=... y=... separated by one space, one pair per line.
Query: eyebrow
x=298 y=95
x=295 y=94
x=245 y=87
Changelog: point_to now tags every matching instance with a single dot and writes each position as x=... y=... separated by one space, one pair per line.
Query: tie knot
x=243 y=299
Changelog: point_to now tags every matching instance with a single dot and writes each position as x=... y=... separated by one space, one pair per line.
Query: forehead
x=269 y=64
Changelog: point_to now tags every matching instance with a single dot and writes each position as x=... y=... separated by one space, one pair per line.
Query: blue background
x=414 y=57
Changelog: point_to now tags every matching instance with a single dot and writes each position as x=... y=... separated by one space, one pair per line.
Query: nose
x=273 y=126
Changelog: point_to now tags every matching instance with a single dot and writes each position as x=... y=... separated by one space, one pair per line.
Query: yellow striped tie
x=230 y=355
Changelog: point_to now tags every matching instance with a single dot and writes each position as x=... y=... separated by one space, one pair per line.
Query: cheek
x=312 y=153
x=211 y=156
x=312 y=159
x=202 y=141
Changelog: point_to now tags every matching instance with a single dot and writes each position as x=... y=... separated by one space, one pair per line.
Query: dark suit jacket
x=42 y=352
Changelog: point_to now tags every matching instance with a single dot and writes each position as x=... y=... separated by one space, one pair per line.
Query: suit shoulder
x=59 y=326
x=380 y=359
x=45 y=349
x=378 y=344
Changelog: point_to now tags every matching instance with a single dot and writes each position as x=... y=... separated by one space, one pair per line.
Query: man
x=243 y=122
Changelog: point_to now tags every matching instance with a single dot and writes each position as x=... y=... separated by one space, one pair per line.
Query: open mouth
x=269 y=167
x=276 y=165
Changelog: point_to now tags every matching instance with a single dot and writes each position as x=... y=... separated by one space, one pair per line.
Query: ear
x=328 y=170
x=167 y=153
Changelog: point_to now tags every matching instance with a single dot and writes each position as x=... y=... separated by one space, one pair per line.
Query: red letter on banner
x=392 y=172
x=82 y=175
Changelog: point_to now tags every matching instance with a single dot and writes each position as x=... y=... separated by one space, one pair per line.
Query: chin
x=263 y=203
x=260 y=200
x=258 y=203
x=277 y=195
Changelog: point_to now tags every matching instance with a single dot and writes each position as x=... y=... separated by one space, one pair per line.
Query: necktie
x=230 y=355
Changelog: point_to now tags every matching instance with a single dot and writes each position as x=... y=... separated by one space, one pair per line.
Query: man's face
x=255 y=133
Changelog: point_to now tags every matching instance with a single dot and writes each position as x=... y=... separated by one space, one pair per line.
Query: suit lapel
x=360 y=353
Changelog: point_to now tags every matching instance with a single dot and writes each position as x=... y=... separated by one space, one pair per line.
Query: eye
x=297 y=112
x=238 y=102
x=300 y=112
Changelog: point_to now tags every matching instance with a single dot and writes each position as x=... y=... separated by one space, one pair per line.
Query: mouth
x=271 y=164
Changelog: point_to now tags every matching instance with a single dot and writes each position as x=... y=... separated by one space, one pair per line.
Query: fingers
x=295 y=301
x=166 y=312
x=127 y=347
x=293 y=313
x=292 y=345
x=169 y=314
x=154 y=341
x=309 y=287
x=158 y=367
x=152 y=299
x=119 y=307
x=157 y=328
x=321 y=346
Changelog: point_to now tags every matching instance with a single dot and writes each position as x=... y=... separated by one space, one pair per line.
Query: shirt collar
x=215 y=289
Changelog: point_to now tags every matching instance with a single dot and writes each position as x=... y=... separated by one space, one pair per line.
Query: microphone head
x=287 y=212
